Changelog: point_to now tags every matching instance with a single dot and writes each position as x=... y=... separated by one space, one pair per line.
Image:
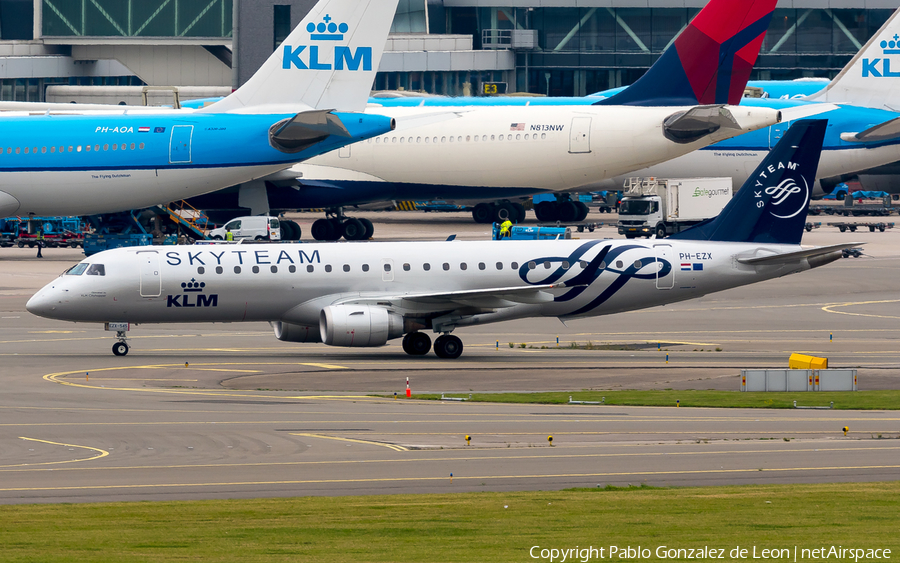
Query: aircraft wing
x=881 y=132
x=793 y=257
x=493 y=298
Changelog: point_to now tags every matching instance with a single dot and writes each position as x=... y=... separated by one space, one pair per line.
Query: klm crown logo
x=343 y=57
x=881 y=67
x=186 y=300
x=193 y=286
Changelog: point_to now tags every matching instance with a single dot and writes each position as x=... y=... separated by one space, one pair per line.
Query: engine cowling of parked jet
x=358 y=325
x=290 y=332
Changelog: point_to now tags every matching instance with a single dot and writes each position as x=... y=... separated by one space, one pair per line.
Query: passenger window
x=255 y=269
x=27 y=149
x=387 y=267
x=499 y=265
x=378 y=140
x=70 y=148
x=446 y=267
x=603 y=265
x=310 y=268
x=132 y=146
x=393 y=139
x=565 y=265
x=514 y=265
x=546 y=265
x=619 y=264
x=492 y=137
x=43 y=150
x=365 y=267
x=543 y=135
x=327 y=268
x=201 y=270
x=476 y=138
x=468 y=138
x=459 y=139
x=463 y=266
x=77 y=270
x=219 y=269
x=406 y=267
x=87 y=148
x=637 y=264
x=518 y=137
x=583 y=264
x=481 y=266
x=115 y=147
x=292 y=268
x=18 y=150
x=402 y=139
x=237 y=269
x=123 y=146
x=78 y=148
x=427 y=140
x=273 y=269
x=141 y=146
x=532 y=265
x=426 y=266
x=435 y=139
x=443 y=139
x=106 y=147
x=451 y=139
x=346 y=267
x=97 y=147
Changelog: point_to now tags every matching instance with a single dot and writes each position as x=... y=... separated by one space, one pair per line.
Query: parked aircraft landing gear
x=416 y=343
x=564 y=210
x=120 y=348
x=333 y=228
x=498 y=212
x=448 y=347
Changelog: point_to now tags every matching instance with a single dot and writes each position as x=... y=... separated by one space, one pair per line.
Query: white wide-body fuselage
x=294 y=282
x=544 y=147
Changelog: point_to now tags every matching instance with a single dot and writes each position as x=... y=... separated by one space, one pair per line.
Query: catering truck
x=661 y=207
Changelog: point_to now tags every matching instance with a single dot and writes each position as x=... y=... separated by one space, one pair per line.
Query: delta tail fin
x=329 y=62
x=772 y=204
x=869 y=80
x=710 y=60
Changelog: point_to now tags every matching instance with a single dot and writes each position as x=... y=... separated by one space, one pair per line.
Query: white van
x=256 y=228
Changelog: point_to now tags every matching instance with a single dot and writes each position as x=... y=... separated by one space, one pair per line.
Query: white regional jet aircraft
x=87 y=161
x=368 y=293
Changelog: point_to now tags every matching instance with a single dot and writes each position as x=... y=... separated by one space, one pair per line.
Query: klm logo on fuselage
x=193 y=296
x=307 y=57
x=881 y=67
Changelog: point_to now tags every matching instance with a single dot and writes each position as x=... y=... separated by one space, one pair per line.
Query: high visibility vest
x=229 y=236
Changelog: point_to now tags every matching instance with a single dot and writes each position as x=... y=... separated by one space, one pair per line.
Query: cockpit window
x=77 y=270
x=96 y=270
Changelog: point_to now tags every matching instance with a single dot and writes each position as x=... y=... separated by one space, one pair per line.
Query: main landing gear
x=446 y=346
x=336 y=225
x=499 y=212
x=120 y=348
x=564 y=210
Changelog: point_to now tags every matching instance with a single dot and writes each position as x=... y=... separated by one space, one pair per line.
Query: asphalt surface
x=227 y=411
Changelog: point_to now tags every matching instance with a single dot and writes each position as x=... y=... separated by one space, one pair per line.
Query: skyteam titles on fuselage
x=254 y=257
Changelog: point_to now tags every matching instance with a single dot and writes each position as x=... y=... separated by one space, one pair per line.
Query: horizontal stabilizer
x=886 y=131
x=793 y=257
x=689 y=126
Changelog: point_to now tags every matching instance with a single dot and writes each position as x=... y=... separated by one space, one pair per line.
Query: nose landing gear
x=120 y=348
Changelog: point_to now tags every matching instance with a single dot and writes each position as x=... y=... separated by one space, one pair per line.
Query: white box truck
x=661 y=207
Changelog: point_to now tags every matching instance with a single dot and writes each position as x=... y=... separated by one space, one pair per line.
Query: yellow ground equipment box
x=801 y=361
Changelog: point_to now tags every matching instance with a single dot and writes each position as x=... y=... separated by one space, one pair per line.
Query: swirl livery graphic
x=597 y=266
x=783 y=192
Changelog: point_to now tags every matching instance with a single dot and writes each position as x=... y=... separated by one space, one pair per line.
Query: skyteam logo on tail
x=788 y=197
x=306 y=57
x=881 y=67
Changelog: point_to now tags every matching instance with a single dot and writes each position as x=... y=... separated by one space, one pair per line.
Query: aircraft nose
x=43 y=303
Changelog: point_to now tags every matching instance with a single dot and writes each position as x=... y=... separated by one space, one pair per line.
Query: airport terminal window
x=406 y=267
x=273 y=269
x=292 y=268
x=327 y=267
x=481 y=265
x=446 y=267
x=201 y=270
x=255 y=269
x=77 y=270
x=310 y=268
x=365 y=267
x=219 y=269
x=426 y=266
x=237 y=269
x=346 y=267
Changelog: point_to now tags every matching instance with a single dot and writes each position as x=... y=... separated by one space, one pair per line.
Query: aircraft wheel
x=660 y=231
x=520 y=212
x=504 y=211
x=353 y=229
x=322 y=229
x=259 y=237
x=568 y=211
x=583 y=210
x=546 y=211
x=842 y=228
x=217 y=237
x=448 y=347
x=370 y=228
x=298 y=232
x=416 y=343
x=120 y=348
x=482 y=213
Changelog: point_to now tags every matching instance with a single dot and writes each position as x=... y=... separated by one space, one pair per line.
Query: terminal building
x=454 y=47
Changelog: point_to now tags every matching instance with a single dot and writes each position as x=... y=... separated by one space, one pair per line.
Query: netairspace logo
x=306 y=57
x=665 y=552
x=881 y=67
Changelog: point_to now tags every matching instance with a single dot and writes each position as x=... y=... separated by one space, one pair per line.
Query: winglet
x=709 y=62
x=772 y=204
x=329 y=61
x=868 y=80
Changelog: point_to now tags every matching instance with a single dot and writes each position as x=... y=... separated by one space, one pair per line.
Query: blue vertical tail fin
x=772 y=204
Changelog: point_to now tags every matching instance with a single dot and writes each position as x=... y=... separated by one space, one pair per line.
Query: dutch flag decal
x=143 y=129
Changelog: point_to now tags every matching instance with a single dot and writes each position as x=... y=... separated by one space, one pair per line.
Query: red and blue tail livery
x=709 y=62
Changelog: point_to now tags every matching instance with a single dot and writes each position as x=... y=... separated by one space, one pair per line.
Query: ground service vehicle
x=256 y=228
x=662 y=207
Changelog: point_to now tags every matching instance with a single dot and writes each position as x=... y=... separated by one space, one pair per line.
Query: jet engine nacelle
x=290 y=332
x=358 y=325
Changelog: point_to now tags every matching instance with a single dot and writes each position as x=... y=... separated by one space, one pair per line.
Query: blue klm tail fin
x=772 y=204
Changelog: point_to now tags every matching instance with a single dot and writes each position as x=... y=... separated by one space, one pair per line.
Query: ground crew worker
x=228 y=234
x=505 y=227
x=40 y=242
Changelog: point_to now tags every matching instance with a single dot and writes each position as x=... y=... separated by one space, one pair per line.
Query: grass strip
x=461 y=527
x=843 y=400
